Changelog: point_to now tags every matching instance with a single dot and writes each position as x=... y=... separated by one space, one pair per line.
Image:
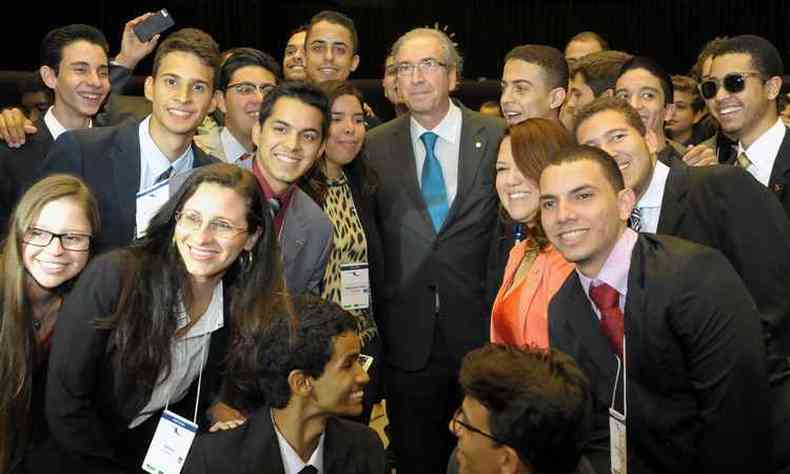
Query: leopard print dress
x=349 y=246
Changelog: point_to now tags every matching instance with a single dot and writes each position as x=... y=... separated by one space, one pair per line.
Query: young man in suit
x=742 y=86
x=123 y=164
x=664 y=328
x=311 y=374
x=436 y=208
x=534 y=83
x=74 y=65
x=246 y=76
x=525 y=410
x=718 y=206
x=290 y=135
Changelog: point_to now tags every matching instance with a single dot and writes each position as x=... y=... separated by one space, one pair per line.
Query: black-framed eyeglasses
x=425 y=66
x=248 y=88
x=456 y=422
x=192 y=221
x=68 y=240
x=733 y=83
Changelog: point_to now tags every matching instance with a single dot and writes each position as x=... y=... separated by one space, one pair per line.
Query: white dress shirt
x=56 y=128
x=446 y=149
x=762 y=153
x=291 y=460
x=234 y=150
x=153 y=162
x=188 y=357
x=650 y=203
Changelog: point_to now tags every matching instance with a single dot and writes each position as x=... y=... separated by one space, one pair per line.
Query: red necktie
x=607 y=299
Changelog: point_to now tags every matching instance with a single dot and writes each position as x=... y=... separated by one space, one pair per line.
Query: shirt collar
x=447 y=129
x=157 y=160
x=233 y=149
x=284 y=197
x=212 y=320
x=614 y=271
x=291 y=460
x=654 y=194
x=762 y=153
x=56 y=129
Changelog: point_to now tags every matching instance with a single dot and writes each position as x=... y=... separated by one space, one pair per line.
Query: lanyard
x=620 y=365
x=200 y=380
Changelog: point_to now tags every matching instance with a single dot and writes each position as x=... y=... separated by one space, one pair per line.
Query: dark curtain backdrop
x=670 y=31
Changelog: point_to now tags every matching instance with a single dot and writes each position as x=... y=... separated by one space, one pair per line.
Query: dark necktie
x=433 y=189
x=309 y=470
x=635 y=221
x=607 y=300
x=246 y=156
x=165 y=175
x=274 y=204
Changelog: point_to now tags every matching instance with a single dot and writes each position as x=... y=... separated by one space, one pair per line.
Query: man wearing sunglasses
x=510 y=421
x=247 y=75
x=741 y=88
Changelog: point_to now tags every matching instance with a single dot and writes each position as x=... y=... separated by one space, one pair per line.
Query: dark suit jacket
x=88 y=407
x=18 y=168
x=697 y=390
x=417 y=263
x=108 y=160
x=349 y=448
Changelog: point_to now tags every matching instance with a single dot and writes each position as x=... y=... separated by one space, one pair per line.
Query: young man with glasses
x=247 y=75
x=510 y=420
x=437 y=208
x=741 y=88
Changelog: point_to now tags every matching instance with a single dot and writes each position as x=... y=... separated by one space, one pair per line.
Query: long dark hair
x=314 y=182
x=17 y=334
x=157 y=282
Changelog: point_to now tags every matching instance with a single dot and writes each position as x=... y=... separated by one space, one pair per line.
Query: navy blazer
x=108 y=160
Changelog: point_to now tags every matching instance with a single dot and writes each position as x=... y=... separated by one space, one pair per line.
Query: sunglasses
x=733 y=83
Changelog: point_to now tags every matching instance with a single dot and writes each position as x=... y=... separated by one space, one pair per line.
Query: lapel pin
x=778 y=188
x=478 y=144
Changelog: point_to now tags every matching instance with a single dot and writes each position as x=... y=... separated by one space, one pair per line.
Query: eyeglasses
x=68 y=240
x=456 y=421
x=248 y=88
x=193 y=221
x=365 y=361
x=734 y=82
x=425 y=66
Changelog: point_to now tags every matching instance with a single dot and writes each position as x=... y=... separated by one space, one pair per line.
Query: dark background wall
x=671 y=31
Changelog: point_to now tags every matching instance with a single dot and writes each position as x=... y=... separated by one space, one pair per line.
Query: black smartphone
x=153 y=25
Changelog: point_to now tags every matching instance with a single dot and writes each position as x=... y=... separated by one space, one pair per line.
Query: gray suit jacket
x=417 y=264
x=305 y=243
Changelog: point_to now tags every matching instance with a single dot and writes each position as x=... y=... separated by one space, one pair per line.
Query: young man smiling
x=123 y=165
x=311 y=373
x=290 y=135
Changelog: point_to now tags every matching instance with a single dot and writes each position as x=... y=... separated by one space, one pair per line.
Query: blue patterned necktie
x=165 y=175
x=635 y=221
x=433 y=189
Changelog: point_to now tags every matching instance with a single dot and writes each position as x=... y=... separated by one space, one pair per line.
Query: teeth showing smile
x=201 y=254
x=179 y=113
x=572 y=235
x=286 y=158
x=357 y=396
x=519 y=195
x=51 y=267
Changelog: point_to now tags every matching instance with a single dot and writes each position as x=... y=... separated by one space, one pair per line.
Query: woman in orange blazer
x=535 y=270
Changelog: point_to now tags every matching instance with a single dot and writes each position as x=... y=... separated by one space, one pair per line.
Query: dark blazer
x=697 y=390
x=108 y=160
x=18 y=167
x=417 y=263
x=87 y=410
x=349 y=448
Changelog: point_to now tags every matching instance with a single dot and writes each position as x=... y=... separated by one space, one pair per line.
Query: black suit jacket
x=417 y=263
x=697 y=390
x=108 y=160
x=18 y=167
x=87 y=411
x=349 y=448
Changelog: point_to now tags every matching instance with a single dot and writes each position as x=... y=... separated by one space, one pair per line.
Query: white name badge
x=617 y=443
x=169 y=447
x=354 y=285
x=149 y=201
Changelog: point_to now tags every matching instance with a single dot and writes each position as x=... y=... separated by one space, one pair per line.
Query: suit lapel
x=470 y=154
x=125 y=157
x=673 y=205
x=262 y=455
x=294 y=229
x=406 y=170
x=780 y=174
x=335 y=452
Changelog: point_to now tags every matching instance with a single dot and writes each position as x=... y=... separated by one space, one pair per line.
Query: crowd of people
x=588 y=276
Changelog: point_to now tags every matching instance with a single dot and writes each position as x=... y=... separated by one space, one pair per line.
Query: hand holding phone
x=153 y=25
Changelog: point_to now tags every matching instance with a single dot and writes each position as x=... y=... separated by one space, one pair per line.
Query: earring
x=246 y=260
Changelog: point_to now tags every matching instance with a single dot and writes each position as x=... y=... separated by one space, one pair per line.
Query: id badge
x=617 y=442
x=354 y=285
x=149 y=201
x=170 y=445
